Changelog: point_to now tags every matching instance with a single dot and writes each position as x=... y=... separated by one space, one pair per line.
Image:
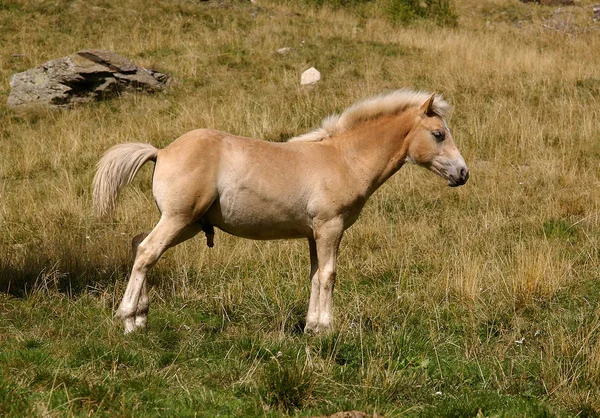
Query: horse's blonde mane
x=372 y=108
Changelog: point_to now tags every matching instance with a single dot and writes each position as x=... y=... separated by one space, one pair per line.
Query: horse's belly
x=267 y=232
x=271 y=221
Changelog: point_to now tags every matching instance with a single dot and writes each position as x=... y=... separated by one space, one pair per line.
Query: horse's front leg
x=312 y=318
x=328 y=238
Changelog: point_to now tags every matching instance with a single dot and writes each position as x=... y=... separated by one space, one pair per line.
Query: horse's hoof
x=325 y=329
x=311 y=329
x=141 y=322
x=129 y=325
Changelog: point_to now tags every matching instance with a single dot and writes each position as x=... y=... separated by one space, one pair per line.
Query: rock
x=81 y=78
x=562 y=21
x=310 y=76
x=283 y=51
x=596 y=11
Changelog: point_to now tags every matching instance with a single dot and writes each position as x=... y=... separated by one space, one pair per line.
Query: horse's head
x=431 y=146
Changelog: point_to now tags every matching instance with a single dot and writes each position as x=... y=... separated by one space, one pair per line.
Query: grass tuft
x=286 y=384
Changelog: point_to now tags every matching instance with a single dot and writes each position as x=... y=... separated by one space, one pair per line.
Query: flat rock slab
x=81 y=78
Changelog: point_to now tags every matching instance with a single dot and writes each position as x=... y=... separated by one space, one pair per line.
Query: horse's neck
x=376 y=150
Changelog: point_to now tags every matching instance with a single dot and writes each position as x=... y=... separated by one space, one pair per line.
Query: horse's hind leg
x=135 y=242
x=168 y=232
x=141 y=313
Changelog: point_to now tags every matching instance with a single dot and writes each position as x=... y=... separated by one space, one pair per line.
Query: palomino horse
x=312 y=186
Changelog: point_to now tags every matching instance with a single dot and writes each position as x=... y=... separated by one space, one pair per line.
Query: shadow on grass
x=60 y=268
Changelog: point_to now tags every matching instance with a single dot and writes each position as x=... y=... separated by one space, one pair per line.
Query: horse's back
x=250 y=187
x=245 y=186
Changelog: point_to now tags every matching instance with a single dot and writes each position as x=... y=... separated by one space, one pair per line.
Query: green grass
x=68 y=358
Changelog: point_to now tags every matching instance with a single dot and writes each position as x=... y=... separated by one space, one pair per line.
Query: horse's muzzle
x=460 y=178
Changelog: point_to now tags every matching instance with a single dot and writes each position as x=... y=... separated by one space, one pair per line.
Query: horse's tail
x=117 y=168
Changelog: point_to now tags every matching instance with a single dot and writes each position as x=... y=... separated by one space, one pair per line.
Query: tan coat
x=313 y=186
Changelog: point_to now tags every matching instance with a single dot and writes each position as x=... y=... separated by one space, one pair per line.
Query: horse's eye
x=439 y=135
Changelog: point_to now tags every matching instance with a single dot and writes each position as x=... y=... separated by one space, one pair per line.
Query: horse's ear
x=426 y=108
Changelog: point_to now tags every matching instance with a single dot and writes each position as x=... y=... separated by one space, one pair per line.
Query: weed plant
x=476 y=301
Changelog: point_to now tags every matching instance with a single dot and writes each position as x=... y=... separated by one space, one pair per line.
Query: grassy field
x=476 y=301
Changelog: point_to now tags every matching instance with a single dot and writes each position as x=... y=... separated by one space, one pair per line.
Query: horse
x=313 y=186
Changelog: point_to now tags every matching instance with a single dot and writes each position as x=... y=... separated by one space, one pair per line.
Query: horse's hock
x=82 y=77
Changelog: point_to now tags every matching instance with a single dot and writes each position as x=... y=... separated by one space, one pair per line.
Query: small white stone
x=283 y=51
x=310 y=76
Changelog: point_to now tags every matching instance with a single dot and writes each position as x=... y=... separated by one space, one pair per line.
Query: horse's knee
x=327 y=279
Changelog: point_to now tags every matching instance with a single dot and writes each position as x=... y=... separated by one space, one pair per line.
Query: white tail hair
x=117 y=168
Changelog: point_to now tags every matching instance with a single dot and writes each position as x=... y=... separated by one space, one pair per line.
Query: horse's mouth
x=455 y=175
x=458 y=180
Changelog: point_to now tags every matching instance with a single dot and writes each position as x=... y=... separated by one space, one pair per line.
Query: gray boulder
x=81 y=78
